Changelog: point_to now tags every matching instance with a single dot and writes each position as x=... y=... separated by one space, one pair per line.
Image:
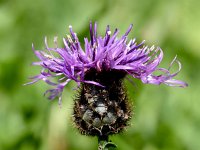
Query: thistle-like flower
x=101 y=107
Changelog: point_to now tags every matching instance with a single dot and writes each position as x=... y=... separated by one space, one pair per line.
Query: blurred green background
x=165 y=118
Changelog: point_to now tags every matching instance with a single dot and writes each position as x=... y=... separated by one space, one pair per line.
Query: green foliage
x=165 y=118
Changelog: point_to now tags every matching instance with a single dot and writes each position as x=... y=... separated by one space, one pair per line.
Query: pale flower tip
x=55 y=39
x=33 y=48
x=25 y=84
x=109 y=32
x=70 y=26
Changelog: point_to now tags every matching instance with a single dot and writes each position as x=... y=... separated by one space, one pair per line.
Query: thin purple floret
x=71 y=62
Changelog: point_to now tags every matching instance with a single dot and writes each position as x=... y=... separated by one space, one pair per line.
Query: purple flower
x=72 y=62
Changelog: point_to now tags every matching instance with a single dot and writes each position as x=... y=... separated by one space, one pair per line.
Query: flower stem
x=104 y=144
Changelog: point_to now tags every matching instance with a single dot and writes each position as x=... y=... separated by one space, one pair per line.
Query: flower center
x=102 y=111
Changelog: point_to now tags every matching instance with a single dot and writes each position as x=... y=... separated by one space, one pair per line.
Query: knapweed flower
x=101 y=107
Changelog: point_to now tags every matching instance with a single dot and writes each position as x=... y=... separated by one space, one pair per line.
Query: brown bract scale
x=102 y=111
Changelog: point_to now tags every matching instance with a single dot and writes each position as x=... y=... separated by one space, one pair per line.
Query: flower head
x=102 y=54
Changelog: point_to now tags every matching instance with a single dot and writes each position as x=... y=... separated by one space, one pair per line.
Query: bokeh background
x=165 y=118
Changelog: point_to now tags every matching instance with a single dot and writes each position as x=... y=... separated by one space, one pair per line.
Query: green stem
x=104 y=144
x=102 y=140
